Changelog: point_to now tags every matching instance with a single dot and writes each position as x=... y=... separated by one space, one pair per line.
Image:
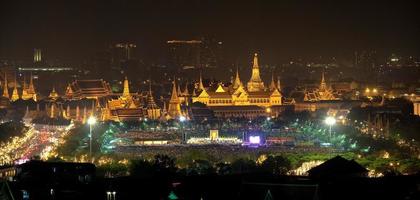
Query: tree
x=140 y=168
x=164 y=165
x=241 y=166
x=278 y=165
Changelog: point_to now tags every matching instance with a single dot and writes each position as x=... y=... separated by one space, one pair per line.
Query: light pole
x=330 y=121
x=91 y=121
x=182 y=119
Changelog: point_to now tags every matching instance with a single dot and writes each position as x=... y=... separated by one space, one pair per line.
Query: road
x=37 y=141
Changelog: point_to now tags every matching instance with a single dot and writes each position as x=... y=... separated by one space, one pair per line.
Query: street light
x=91 y=121
x=330 y=121
x=182 y=119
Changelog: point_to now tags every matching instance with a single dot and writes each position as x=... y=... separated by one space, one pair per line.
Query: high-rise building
x=194 y=54
x=123 y=52
x=37 y=55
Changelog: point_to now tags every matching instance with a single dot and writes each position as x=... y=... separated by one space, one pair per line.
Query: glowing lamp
x=91 y=120
x=182 y=118
x=330 y=121
x=254 y=139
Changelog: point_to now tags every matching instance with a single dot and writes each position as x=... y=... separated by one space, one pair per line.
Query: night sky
x=279 y=29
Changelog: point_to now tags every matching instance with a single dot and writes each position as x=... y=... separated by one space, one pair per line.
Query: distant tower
x=37 y=55
x=255 y=84
x=126 y=51
x=174 y=103
x=278 y=83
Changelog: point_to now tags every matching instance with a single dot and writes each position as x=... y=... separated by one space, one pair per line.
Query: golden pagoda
x=126 y=91
x=31 y=89
x=69 y=91
x=153 y=111
x=237 y=83
x=25 y=90
x=272 y=84
x=322 y=93
x=255 y=84
x=5 y=87
x=174 y=109
x=201 y=86
x=53 y=94
x=238 y=95
x=15 y=94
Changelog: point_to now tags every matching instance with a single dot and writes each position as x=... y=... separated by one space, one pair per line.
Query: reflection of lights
x=182 y=118
x=254 y=139
x=268 y=118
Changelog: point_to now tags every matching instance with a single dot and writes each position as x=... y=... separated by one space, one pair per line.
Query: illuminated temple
x=238 y=100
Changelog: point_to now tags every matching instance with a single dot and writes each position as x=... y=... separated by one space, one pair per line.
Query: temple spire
x=31 y=89
x=273 y=83
x=174 y=95
x=174 y=109
x=186 y=92
x=5 y=87
x=179 y=89
x=153 y=110
x=53 y=94
x=25 y=91
x=126 y=90
x=255 y=84
x=323 y=85
x=278 y=83
x=237 y=83
x=255 y=65
x=15 y=95
x=31 y=84
x=201 y=86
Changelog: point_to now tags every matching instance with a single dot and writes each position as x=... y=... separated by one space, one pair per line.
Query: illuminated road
x=40 y=142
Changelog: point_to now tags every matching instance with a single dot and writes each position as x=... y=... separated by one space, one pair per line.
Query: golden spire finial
x=255 y=61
